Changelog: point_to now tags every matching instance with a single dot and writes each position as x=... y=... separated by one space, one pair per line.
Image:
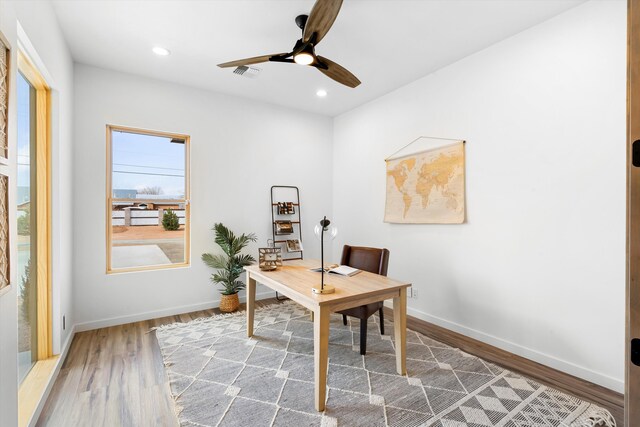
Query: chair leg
x=344 y=319
x=363 y=336
x=381 y=321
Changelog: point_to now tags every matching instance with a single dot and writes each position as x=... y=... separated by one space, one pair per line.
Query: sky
x=141 y=161
x=23 y=177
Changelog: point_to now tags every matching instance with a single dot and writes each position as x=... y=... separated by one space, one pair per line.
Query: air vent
x=249 y=72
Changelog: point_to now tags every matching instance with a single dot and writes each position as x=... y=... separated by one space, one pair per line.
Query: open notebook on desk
x=343 y=270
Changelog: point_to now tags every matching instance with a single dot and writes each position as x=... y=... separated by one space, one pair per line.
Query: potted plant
x=229 y=266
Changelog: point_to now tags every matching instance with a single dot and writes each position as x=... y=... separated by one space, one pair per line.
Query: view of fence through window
x=148 y=198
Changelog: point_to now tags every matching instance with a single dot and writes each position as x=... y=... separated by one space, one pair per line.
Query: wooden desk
x=295 y=281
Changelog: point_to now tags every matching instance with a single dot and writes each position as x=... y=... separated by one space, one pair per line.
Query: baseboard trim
x=52 y=378
x=529 y=353
x=148 y=315
x=583 y=389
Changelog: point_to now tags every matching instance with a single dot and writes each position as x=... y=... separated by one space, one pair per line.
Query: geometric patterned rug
x=219 y=377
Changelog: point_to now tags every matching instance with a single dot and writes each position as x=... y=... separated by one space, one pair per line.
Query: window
x=148 y=200
x=33 y=217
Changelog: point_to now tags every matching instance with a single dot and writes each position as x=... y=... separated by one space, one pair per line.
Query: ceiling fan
x=314 y=27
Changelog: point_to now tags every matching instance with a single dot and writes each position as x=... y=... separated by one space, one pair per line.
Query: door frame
x=632 y=304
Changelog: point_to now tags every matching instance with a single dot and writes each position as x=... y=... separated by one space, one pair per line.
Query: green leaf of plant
x=244 y=260
x=214 y=261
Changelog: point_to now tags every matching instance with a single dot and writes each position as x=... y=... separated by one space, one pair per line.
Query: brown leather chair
x=373 y=260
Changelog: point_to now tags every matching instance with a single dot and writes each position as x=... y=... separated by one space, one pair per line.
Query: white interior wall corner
x=538 y=267
x=239 y=149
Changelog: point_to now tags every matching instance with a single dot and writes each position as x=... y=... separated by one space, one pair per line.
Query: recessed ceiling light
x=321 y=93
x=160 y=51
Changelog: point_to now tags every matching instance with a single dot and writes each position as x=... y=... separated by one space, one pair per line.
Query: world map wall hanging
x=427 y=186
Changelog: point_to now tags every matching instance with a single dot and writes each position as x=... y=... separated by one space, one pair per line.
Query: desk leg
x=321 y=354
x=251 y=303
x=400 y=330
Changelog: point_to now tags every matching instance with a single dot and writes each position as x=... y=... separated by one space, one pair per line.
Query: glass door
x=27 y=241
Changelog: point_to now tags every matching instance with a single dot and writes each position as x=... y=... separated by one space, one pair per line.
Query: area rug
x=219 y=377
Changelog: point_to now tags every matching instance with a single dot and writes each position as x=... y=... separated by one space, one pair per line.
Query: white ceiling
x=385 y=43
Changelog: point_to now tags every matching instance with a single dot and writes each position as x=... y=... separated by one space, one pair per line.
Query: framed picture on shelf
x=294 y=245
x=5 y=54
x=286 y=208
x=284 y=227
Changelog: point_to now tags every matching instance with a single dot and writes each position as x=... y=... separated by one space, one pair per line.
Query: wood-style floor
x=115 y=376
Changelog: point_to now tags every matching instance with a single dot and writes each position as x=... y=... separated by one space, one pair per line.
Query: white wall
x=45 y=40
x=239 y=149
x=538 y=268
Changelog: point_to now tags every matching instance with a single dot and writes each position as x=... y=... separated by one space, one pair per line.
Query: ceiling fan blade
x=248 y=61
x=338 y=73
x=321 y=19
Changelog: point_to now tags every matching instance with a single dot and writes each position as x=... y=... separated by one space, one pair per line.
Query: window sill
x=33 y=387
x=148 y=268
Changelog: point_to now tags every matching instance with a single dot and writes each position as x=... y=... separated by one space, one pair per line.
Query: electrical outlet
x=414 y=293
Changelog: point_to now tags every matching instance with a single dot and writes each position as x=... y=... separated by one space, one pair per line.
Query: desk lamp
x=319 y=230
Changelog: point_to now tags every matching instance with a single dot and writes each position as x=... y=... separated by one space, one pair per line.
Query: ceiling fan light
x=303 y=58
